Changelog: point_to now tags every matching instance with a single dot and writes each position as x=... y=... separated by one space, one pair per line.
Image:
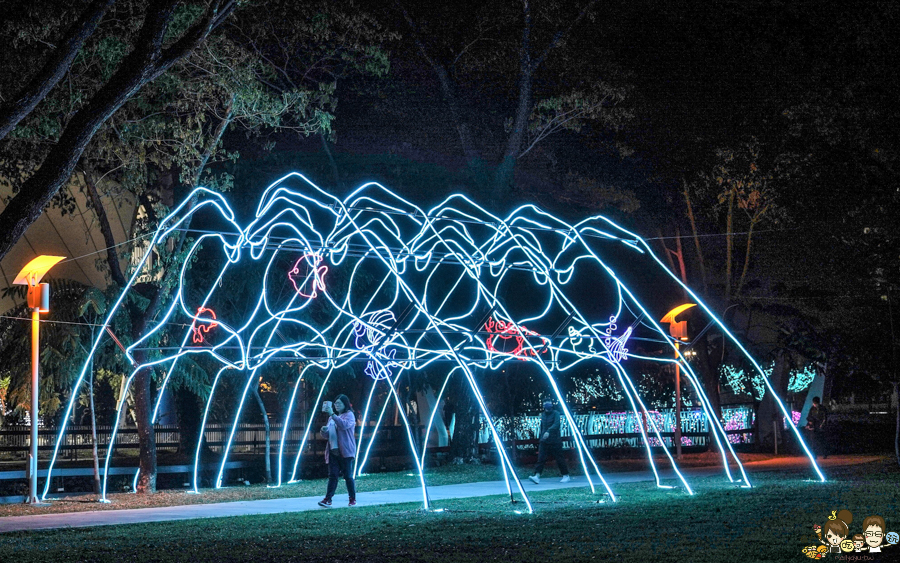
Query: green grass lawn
x=444 y=475
x=771 y=522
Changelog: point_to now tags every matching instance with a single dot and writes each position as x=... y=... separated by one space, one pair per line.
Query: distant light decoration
x=801 y=379
x=417 y=288
x=596 y=387
x=315 y=278
x=500 y=330
x=759 y=387
x=759 y=381
x=737 y=419
x=198 y=330
x=734 y=378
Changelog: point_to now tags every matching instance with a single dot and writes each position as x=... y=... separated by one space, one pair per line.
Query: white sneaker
x=536 y=479
x=565 y=479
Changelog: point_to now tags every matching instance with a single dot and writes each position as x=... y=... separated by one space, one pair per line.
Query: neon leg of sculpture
x=212 y=391
x=437 y=403
x=237 y=418
x=384 y=407
x=112 y=439
x=656 y=431
x=312 y=417
x=285 y=429
x=640 y=426
x=412 y=445
x=362 y=428
x=717 y=428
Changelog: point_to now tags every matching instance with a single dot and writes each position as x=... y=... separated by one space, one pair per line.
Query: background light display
x=454 y=286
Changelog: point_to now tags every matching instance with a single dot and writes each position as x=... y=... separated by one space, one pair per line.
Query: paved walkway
x=442 y=492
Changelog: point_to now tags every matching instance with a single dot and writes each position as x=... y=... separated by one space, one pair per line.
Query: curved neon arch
x=452 y=292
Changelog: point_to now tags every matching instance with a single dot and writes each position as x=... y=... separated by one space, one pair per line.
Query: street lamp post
x=678 y=330
x=38 y=302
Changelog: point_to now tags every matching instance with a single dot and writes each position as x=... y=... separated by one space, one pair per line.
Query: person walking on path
x=550 y=444
x=341 y=447
x=815 y=424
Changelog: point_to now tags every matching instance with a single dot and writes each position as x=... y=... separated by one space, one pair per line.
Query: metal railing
x=600 y=430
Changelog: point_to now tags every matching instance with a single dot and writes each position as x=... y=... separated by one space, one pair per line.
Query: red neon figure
x=507 y=331
x=298 y=279
x=198 y=330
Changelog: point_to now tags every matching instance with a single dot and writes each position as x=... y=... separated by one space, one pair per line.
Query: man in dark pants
x=550 y=444
x=815 y=422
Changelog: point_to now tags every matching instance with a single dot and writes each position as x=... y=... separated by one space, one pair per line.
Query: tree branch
x=194 y=36
x=462 y=128
x=112 y=257
x=54 y=69
x=559 y=122
x=690 y=210
x=561 y=35
x=142 y=65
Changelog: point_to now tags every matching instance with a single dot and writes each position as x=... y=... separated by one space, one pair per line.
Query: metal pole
x=775 y=434
x=677 y=406
x=35 y=362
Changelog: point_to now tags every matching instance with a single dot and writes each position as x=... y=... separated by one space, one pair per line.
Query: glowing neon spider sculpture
x=455 y=286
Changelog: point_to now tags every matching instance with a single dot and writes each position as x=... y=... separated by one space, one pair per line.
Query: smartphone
x=326 y=405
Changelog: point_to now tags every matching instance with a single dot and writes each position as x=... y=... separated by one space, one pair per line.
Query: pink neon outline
x=318 y=278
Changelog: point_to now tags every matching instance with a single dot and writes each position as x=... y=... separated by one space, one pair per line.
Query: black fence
x=15 y=441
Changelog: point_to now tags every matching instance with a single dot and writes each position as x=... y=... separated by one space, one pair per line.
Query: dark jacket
x=816 y=418
x=550 y=424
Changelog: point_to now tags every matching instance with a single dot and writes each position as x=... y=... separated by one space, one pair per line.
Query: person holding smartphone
x=341 y=447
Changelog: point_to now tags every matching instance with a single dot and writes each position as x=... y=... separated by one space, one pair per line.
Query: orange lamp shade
x=32 y=273
x=677 y=329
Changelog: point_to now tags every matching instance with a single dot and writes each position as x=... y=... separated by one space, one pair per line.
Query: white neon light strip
x=301 y=236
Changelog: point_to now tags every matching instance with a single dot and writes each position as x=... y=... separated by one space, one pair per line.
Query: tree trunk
x=112 y=257
x=690 y=210
x=768 y=409
x=746 y=261
x=94 y=453
x=146 y=436
x=414 y=414
x=510 y=411
x=334 y=168
x=709 y=378
x=188 y=411
x=895 y=399
x=464 y=442
x=265 y=418
x=506 y=170
x=462 y=128
x=447 y=90
x=729 y=245
x=677 y=253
